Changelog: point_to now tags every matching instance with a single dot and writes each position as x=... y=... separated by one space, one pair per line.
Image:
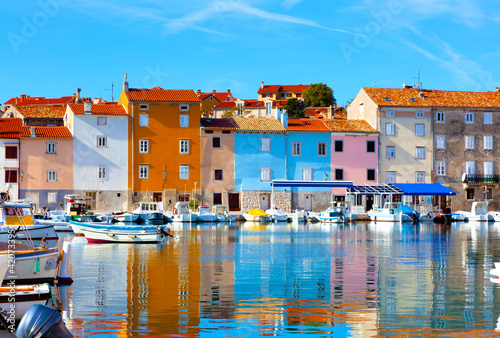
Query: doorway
x=157 y=197
x=234 y=201
x=90 y=199
x=308 y=202
x=369 y=202
x=264 y=202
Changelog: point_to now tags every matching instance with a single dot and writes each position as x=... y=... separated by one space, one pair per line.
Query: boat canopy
x=412 y=189
x=311 y=184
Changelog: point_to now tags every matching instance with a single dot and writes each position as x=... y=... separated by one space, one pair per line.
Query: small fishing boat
x=338 y=212
x=204 y=214
x=123 y=236
x=479 y=212
x=391 y=212
x=277 y=215
x=299 y=216
x=149 y=211
x=125 y=217
x=182 y=213
x=222 y=213
x=256 y=215
x=17 y=217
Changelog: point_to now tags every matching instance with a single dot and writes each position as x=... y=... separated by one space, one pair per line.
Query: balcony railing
x=478 y=179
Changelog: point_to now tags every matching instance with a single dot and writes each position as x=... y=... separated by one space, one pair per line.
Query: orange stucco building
x=164 y=143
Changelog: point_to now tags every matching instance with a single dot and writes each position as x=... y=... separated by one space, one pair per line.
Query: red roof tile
x=47 y=132
x=221 y=123
x=352 y=126
x=99 y=109
x=39 y=101
x=10 y=127
x=49 y=111
x=306 y=125
x=414 y=97
x=225 y=105
x=286 y=88
x=163 y=95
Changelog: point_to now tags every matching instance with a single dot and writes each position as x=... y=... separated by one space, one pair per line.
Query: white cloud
x=288 y=4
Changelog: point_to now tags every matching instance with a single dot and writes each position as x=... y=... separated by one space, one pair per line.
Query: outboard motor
x=42 y=321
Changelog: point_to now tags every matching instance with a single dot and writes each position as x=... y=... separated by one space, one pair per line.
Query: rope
x=23 y=225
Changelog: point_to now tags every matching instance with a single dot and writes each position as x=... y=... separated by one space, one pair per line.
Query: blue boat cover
x=419 y=189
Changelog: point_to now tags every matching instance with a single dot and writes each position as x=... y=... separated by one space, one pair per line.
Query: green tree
x=318 y=95
x=235 y=111
x=295 y=108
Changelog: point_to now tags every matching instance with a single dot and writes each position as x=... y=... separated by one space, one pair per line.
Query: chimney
x=214 y=91
x=16 y=100
x=23 y=97
x=497 y=90
x=284 y=119
x=74 y=97
x=78 y=99
x=96 y=100
x=125 y=84
x=261 y=84
x=198 y=92
x=87 y=107
x=32 y=131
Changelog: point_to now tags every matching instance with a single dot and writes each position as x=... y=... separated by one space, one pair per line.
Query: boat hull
x=185 y=218
x=25 y=296
x=257 y=218
x=33 y=266
x=37 y=231
x=101 y=236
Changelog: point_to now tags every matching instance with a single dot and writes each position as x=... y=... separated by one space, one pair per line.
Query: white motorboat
x=479 y=212
x=338 y=212
x=126 y=217
x=25 y=296
x=256 y=215
x=391 y=212
x=495 y=215
x=277 y=215
x=37 y=265
x=222 y=214
x=149 y=211
x=17 y=217
x=299 y=216
x=123 y=236
x=182 y=213
x=204 y=214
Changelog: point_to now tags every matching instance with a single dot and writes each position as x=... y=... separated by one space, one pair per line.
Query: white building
x=9 y=156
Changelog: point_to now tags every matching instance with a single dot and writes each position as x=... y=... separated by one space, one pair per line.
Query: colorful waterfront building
x=164 y=143
x=9 y=157
x=100 y=153
x=217 y=163
x=46 y=165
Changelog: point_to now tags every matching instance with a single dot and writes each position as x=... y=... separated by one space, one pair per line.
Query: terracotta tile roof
x=411 y=97
x=306 y=125
x=220 y=123
x=353 y=126
x=225 y=105
x=220 y=96
x=49 y=111
x=286 y=88
x=99 y=109
x=10 y=127
x=47 y=132
x=257 y=124
x=163 y=95
x=39 y=100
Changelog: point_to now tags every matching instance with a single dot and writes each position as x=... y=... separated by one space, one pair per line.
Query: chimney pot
x=16 y=100
x=497 y=90
x=125 y=83
x=87 y=107
x=214 y=91
x=23 y=96
x=32 y=131
x=261 y=84
x=198 y=92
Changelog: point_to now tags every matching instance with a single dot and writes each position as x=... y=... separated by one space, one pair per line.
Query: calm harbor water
x=357 y=280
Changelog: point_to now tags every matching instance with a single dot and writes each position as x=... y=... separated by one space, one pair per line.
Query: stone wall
x=251 y=200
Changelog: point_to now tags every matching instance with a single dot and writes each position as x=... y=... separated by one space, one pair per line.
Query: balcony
x=480 y=179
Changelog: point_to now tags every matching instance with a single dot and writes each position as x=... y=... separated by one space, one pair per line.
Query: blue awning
x=311 y=184
x=419 y=189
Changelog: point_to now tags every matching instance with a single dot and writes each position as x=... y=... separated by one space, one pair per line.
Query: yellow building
x=279 y=92
x=164 y=143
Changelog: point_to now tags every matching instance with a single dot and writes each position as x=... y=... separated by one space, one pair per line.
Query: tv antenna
x=419 y=83
x=112 y=96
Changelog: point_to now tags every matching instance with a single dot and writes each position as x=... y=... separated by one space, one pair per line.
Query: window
x=339 y=146
x=419 y=129
x=370 y=146
x=144 y=106
x=470 y=194
x=184 y=146
x=469 y=117
x=370 y=174
x=143 y=171
x=10 y=175
x=307 y=174
x=390 y=152
x=487 y=118
x=488 y=194
x=488 y=142
x=390 y=129
x=52 y=197
x=286 y=94
x=184 y=121
x=143 y=120
x=51 y=148
x=226 y=131
x=11 y=152
x=218 y=174
x=440 y=168
x=488 y=168
x=440 y=116
x=143 y=146
x=209 y=131
x=184 y=172
x=217 y=198
x=389 y=113
x=420 y=152
x=102 y=141
x=321 y=149
x=470 y=167
x=390 y=177
x=216 y=142
x=265 y=174
x=51 y=175
x=440 y=141
x=102 y=121
x=265 y=144
x=420 y=177
x=101 y=173
x=296 y=151
x=469 y=142
x=419 y=115
x=268 y=108
x=339 y=174
x=184 y=107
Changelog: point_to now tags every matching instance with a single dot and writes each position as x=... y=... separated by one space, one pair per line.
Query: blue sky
x=51 y=47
